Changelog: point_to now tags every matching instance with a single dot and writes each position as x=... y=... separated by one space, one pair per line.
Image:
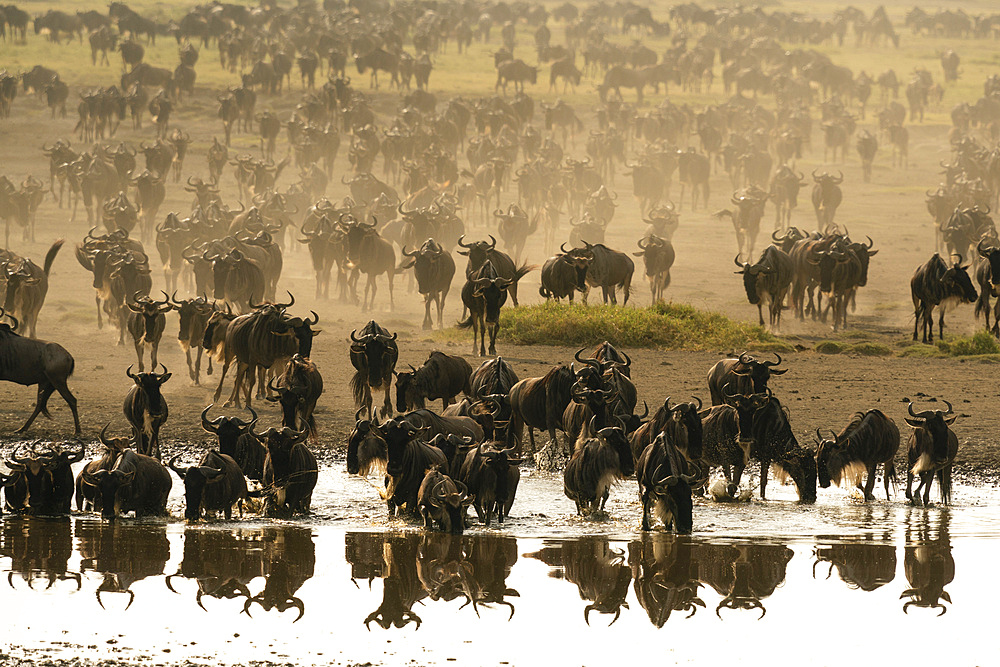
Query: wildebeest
x=407 y=463
x=749 y=210
x=932 y=449
x=46 y=476
x=745 y=374
x=481 y=252
x=785 y=194
x=774 y=443
x=26 y=287
x=442 y=376
x=146 y=325
x=136 y=483
x=516 y=71
x=193 y=314
x=372 y=255
x=484 y=294
x=863 y=565
x=434 y=268
x=236 y=439
x=609 y=270
x=442 y=500
x=539 y=403
x=373 y=355
x=215 y=484
x=658 y=256
x=870 y=438
x=298 y=389
x=728 y=436
x=867 y=148
x=665 y=486
x=767 y=282
x=366 y=448
x=935 y=284
x=826 y=197
x=597 y=464
x=566 y=273
x=30 y=361
x=491 y=475
x=146 y=409
x=290 y=472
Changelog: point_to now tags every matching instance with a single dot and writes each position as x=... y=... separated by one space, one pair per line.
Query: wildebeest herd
x=519 y=181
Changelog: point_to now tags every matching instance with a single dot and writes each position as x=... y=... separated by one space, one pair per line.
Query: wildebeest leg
x=909 y=483
x=234 y=398
x=139 y=354
x=870 y=482
x=428 y=322
x=392 y=300
x=494 y=328
x=888 y=473
x=765 y=468
x=645 y=510
x=45 y=390
x=100 y=322
x=760 y=314
x=941 y=311
x=387 y=403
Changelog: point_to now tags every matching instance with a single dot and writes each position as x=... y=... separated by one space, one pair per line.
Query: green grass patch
x=871 y=349
x=981 y=342
x=669 y=326
x=829 y=347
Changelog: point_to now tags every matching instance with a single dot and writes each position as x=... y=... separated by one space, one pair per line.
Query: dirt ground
x=820 y=390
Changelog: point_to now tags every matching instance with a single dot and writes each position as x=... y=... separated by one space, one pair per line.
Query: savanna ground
x=820 y=389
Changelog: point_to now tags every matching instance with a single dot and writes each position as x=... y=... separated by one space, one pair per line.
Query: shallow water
x=768 y=582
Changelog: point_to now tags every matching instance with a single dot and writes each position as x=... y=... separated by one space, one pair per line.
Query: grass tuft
x=981 y=342
x=829 y=347
x=665 y=325
x=870 y=349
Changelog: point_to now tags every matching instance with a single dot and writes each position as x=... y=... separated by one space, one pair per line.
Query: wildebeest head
x=188 y=310
x=864 y=253
x=149 y=384
x=227 y=429
x=992 y=255
x=614 y=437
x=759 y=372
x=302 y=329
x=195 y=479
x=579 y=259
x=751 y=274
x=477 y=252
x=494 y=292
x=366 y=447
x=407 y=396
x=746 y=407
x=149 y=309
x=397 y=434
x=424 y=262
x=956 y=281
x=372 y=348
x=799 y=464
x=280 y=442
x=831 y=463
x=685 y=428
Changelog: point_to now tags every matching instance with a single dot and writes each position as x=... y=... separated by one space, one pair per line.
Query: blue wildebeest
x=47 y=477
x=665 y=486
x=26 y=287
x=299 y=387
x=540 y=403
x=609 y=270
x=373 y=355
x=215 y=484
x=745 y=374
x=290 y=472
x=146 y=409
x=194 y=315
x=484 y=294
x=30 y=361
x=442 y=376
x=442 y=500
x=935 y=284
x=870 y=438
x=407 y=463
x=434 y=268
x=366 y=448
x=237 y=440
x=136 y=483
x=146 y=324
x=565 y=274
x=491 y=476
x=597 y=464
x=481 y=252
x=932 y=449
x=658 y=256
x=767 y=282
x=826 y=197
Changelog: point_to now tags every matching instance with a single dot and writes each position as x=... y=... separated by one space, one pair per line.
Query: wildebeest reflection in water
x=38 y=547
x=123 y=553
x=665 y=580
x=743 y=574
x=599 y=572
x=928 y=562
x=862 y=565
x=434 y=566
x=225 y=564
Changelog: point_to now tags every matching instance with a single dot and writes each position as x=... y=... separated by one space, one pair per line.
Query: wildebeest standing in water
x=136 y=482
x=665 y=486
x=290 y=472
x=373 y=355
x=932 y=449
x=46 y=477
x=215 y=484
x=299 y=387
x=146 y=409
x=442 y=500
x=869 y=439
x=596 y=464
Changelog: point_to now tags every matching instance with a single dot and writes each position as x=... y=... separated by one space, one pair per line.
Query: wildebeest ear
x=951 y=420
x=915 y=423
x=165 y=377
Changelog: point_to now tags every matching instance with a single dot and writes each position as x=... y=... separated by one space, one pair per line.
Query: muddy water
x=773 y=583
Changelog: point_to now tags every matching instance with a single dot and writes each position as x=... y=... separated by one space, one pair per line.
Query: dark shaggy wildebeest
x=442 y=376
x=290 y=472
x=932 y=449
x=597 y=464
x=935 y=284
x=146 y=409
x=237 y=440
x=491 y=476
x=215 y=484
x=135 y=483
x=745 y=374
x=869 y=439
x=443 y=501
x=665 y=486
x=373 y=355
x=298 y=389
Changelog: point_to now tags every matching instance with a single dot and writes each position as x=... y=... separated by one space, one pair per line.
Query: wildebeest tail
x=50 y=256
x=466 y=323
x=524 y=270
x=544 y=293
x=944 y=482
x=359 y=384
